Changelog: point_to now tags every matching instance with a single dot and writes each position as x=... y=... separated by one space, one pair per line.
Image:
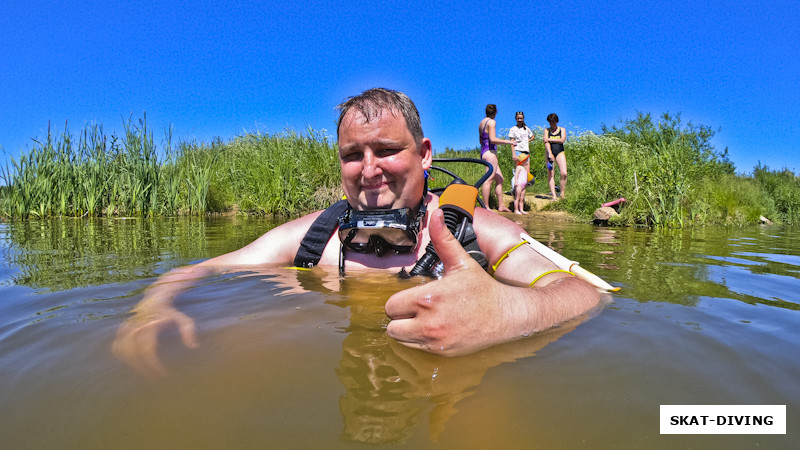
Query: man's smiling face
x=382 y=165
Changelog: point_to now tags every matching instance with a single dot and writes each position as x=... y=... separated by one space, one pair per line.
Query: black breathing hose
x=457 y=204
x=452 y=219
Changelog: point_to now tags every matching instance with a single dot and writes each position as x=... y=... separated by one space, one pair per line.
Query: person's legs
x=551 y=180
x=498 y=191
x=561 y=159
x=497 y=177
x=520 y=179
x=487 y=185
x=515 y=188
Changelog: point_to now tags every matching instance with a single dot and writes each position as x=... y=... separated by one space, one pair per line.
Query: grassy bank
x=672 y=176
x=668 y=171
x=95 y=174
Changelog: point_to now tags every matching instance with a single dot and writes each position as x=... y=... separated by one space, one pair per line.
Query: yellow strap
x=549 y=272
x=502 y=258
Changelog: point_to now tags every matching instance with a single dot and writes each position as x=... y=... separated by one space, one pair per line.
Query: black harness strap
x=318 y=235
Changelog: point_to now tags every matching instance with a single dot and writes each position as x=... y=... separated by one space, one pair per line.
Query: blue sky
x=217 y=69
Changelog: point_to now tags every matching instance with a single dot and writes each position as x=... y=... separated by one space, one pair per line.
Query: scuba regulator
x=457 y=202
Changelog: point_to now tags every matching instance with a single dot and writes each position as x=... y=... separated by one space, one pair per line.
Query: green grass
x=669 y=173
x=129 y=175
x=667 y=170
x=672 y=177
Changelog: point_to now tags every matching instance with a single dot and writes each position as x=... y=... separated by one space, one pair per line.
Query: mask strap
x=341 y=259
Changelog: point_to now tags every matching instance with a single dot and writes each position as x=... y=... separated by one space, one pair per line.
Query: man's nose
x=371 y=165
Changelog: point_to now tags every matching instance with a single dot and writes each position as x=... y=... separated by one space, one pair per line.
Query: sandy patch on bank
x=533 y=206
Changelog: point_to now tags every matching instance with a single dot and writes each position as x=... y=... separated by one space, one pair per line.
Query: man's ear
x=426 y=153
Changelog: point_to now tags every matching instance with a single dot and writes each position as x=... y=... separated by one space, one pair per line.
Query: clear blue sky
x=213 y=69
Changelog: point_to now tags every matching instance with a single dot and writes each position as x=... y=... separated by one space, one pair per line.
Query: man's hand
x=465 y=311
x=136 y=343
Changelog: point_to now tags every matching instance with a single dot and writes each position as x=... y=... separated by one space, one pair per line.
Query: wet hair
x=552 y=117
x=371 y=103
x=491 y=110
x=520 y=113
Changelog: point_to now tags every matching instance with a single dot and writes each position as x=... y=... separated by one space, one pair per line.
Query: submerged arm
x=136 y=342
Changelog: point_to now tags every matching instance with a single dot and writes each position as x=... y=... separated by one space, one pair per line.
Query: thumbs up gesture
x=463 y=312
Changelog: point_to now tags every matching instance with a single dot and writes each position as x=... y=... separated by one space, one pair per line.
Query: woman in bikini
x=489 y=141
x=554 y=138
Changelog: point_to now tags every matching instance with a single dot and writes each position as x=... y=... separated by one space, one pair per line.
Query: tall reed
x=100 y=174
x=668 y=171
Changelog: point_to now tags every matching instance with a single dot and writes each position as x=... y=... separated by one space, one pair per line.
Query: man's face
x=382 y=166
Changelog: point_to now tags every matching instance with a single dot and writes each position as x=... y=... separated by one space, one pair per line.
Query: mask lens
x=378 y=232
x=396 y=237
x=360 y=239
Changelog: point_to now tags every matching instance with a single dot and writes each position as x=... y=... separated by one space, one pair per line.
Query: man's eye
x=388 y=151
x=352 y=156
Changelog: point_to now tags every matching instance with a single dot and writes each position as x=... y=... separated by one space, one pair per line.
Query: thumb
x=450 y=251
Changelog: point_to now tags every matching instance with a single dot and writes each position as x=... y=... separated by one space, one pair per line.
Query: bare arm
x=136 y=342
x=513 y=137
x=468 y=310
x=493 y=139
x=563 y=137
x=546 y=140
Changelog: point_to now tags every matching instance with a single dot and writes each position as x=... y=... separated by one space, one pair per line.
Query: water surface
x=292 y=359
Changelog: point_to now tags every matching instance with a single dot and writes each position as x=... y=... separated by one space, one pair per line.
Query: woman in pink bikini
x=489 y=141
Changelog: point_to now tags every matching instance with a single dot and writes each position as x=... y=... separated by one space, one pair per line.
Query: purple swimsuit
x=485 y=145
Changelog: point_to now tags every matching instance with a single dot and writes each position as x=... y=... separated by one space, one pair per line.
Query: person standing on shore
x=522 y=136
x=489 y=140
x=554 y=137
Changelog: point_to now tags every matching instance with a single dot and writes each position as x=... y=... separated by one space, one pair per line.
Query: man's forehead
x=369 y=114
x=383 y=130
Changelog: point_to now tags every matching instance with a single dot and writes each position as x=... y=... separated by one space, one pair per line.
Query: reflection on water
x=68 y=253
x=292 y=359
x=685 y=266
x=388 y=386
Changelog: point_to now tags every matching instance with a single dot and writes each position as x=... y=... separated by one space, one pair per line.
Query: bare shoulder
x=278 y=245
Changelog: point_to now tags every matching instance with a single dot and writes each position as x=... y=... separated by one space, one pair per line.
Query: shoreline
x=535 y=203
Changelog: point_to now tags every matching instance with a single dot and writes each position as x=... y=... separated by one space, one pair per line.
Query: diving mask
x=381 y=230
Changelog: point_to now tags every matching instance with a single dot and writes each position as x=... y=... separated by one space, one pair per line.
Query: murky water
x=293 y=359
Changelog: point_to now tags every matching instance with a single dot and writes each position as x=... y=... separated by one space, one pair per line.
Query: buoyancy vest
x=318 y=235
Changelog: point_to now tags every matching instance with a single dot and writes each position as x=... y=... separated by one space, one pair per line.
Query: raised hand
x=463 y=312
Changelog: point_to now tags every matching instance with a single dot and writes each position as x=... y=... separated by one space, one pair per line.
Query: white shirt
x=522 y=136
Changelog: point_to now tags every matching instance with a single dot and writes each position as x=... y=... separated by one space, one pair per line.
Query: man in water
x=383 y=157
